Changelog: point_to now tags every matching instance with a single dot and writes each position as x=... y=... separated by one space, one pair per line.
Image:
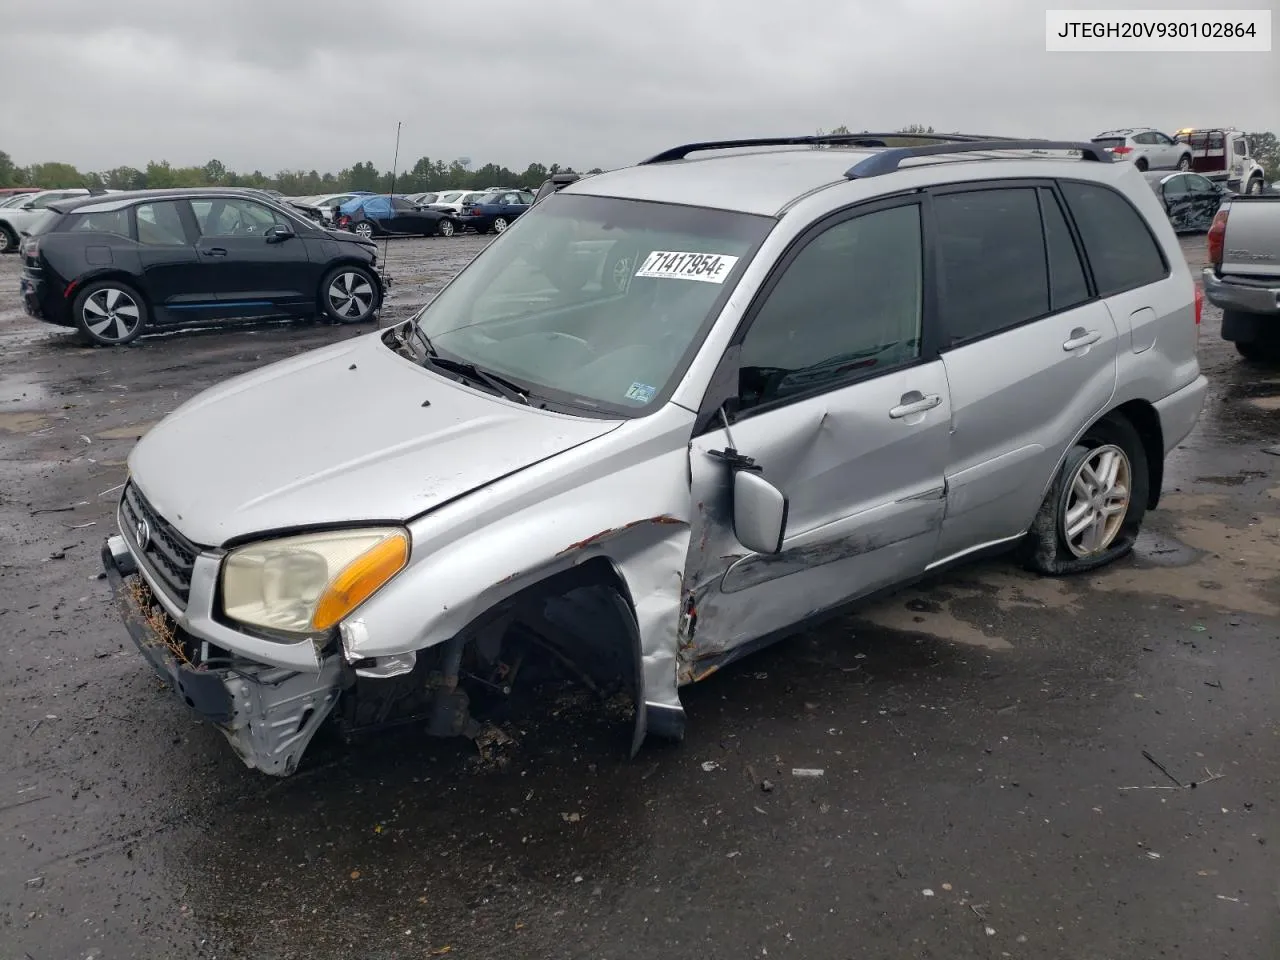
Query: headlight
x=307 y=584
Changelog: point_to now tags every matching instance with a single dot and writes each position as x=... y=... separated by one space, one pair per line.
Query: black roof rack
x=889 y=161
x=865 y=139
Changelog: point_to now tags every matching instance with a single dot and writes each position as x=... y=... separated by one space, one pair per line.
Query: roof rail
x=889 y=161
x=864 y=139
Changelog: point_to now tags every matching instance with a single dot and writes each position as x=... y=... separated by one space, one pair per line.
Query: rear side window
x=991 y=256
x=1117 y=241
x=1067 y=284
x=160 y=224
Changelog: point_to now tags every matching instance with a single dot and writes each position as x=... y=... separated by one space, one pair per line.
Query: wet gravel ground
x=984 y=790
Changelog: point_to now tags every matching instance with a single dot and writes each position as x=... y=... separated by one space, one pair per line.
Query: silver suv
x=1149 y=149
x=676 y=411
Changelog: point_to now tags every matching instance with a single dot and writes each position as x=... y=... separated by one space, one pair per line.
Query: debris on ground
x=570 y=817
x=807 y=771
x=710 y=765
x=766 y=786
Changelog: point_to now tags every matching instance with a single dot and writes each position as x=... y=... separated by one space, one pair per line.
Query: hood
x=351 y=432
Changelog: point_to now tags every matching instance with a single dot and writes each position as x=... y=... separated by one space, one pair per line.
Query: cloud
x=321 y=85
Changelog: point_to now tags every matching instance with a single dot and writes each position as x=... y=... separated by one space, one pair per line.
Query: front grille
x=168 y=555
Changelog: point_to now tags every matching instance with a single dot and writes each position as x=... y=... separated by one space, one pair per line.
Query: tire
x=1259 y=351
x=8 y=240
x=363 y=229
x=500 y=224
x=1052 y=547
x=348 y=294
x=1141 y=164
x=1184 y=162
x=109 y=313
x=618 y=268
x=1255 y=186
x=445 y=228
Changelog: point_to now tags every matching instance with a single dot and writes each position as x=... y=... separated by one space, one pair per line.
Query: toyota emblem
x=143 y=533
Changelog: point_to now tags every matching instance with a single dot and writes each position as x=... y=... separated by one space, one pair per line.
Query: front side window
x=847 y=307
x=594 y=302
x=1175 y=186
x=160 y=225
x=400 y=205
x=233 y=217
x=1199 y=184
x=1239 y=148
x=991 y=255
x=1117 y=241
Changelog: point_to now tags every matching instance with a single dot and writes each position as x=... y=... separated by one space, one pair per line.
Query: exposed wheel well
x=1144 y=419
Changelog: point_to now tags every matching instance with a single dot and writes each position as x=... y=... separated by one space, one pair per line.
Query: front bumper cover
x=268 y=714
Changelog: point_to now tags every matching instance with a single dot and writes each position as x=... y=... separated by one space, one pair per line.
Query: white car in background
x=17 y=216
x=1148 y=148
x=454 y=200
x=324 y=207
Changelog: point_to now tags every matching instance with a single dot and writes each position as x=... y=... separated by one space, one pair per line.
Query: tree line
x=425 y=174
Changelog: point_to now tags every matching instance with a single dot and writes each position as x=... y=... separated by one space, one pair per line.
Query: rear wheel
x=363 y=229
x=500 y=224
x=8 y=240
x=1184 y=162
x=1094 y=509
x=348 y=294
x=110 y=313
x=445 y=228
x=1259 y=351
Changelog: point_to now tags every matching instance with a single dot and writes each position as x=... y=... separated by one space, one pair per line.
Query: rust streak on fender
x=612 y=531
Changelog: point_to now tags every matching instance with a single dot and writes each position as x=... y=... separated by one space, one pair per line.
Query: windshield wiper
x=499 y=384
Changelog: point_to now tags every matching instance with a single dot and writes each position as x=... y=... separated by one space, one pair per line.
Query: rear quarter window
x=1120 y=247
x=113 y=221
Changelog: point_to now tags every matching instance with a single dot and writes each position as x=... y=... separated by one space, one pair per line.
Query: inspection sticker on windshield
x=674 y=265
x=640 y=391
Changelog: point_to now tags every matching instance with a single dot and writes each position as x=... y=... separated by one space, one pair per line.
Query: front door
x=404 y=218
x=843 y=403
x=251 y=273
x=1030 y=355
x=176 y=286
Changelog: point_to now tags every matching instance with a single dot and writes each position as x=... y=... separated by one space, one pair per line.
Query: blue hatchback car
x=495 y=210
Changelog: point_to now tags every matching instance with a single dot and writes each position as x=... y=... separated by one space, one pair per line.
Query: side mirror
x=759 y=512
x=278 y=233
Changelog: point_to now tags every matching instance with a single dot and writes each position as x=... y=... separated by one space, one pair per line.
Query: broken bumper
x=268 y=713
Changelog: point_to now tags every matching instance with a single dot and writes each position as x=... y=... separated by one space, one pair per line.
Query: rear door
x=1029 y=351
x=251 y=274
x=176 y=286
x=1167 y=150
x=404 y=218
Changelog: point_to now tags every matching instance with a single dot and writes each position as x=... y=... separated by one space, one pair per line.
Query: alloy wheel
x=6 y=241
x=1097 y=501
x=446 y=228
x=1184 y=162
x=364 y=230
x=350 y=296
x=499 y=225
x=111 y=315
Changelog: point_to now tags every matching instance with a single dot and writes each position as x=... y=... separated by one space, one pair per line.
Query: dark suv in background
x=115 y=265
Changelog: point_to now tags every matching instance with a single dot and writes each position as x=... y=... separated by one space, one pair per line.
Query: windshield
x=594 y=302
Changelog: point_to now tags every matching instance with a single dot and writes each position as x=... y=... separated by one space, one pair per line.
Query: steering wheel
x=591 y=351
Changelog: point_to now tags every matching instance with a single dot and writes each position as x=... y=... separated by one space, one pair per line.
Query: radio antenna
x=395 y=163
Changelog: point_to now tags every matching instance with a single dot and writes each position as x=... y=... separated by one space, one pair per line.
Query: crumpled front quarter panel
x=623 y=497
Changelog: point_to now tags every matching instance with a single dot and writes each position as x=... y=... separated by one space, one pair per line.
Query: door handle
x=1081 y=338
x=914 y=402
x=215 y=252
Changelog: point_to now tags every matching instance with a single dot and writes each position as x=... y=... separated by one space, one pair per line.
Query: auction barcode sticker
x=1158 y=31
x=677 y=265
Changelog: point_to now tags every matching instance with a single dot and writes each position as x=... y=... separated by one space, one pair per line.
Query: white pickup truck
x=1243 y=277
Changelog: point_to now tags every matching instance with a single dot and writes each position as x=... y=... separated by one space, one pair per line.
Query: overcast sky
x=318 y=84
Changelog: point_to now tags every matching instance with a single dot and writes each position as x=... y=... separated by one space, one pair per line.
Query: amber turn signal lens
x=360 y=579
